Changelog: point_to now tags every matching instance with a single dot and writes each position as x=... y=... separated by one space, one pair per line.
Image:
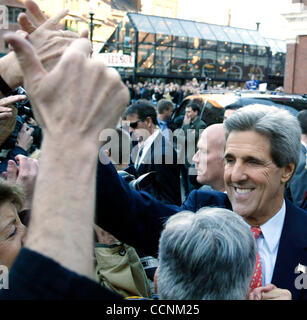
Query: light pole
x=91 y=26
x=92 y=7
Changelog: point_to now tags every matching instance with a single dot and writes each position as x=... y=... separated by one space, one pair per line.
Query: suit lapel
x=290 y=251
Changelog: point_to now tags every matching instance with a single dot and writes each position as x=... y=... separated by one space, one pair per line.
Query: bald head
x=209 y=159
x=216 y=132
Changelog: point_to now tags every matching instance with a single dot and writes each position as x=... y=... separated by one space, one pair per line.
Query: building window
x=14 y=13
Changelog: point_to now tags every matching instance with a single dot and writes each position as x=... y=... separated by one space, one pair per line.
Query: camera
x=24 y=115
x=24 y=108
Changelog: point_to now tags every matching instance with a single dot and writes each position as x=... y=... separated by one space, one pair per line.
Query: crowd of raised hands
x=73 y=97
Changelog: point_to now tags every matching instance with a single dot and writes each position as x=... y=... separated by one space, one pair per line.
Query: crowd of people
x=113 y=166
x=160 y=90
x=155 y=90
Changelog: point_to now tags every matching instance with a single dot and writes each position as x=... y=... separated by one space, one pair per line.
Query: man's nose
x=238 y=172
x=195 y=157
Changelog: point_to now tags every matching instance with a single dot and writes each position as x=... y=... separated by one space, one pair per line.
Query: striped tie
x=257 y=276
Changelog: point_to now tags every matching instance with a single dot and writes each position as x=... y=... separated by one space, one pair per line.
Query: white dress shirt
x=268 y=243
x=146 y=147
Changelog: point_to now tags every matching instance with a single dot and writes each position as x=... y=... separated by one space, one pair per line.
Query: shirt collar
x=271 y=230
x=151 y=138
x=160 y=121
x=147 y=144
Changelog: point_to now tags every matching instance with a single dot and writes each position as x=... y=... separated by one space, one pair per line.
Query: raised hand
x=23 y=173
x=46 y=37
x=5 y=110
x=24 y=138
x=93 y=89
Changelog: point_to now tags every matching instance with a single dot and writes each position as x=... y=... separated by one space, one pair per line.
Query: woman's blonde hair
x=11 y=192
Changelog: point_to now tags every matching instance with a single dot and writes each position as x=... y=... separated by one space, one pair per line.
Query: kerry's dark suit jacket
x=298 y=183
x=161 y=158
x=140 y=218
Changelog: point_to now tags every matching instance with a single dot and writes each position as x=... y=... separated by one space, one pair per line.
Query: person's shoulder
x=199 y=123
x=297 y=218
x=207 y=193
x=296 y=223
x=202 y=124
x=208 y=198
x=294 y=210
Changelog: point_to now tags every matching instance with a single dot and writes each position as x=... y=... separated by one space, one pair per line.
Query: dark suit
x=298 y=183
x=142 y=217
x=196 y=125
x=161 y=158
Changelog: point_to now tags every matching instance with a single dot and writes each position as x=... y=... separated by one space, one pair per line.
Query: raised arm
x=71 y=103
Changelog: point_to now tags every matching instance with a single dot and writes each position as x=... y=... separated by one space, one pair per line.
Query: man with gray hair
x=209 y=255
x=261 y=153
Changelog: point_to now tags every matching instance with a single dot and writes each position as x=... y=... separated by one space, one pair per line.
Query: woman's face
x=12 y=234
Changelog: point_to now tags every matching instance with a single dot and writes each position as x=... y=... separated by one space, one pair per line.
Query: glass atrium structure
x=182 y=49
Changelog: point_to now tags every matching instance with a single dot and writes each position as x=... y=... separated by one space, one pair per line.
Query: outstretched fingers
x=25 y=23
x=79 y=48
x=30 y=65
x=12 y=99
x=53 y=22
x=84 y=34
x=36 y=12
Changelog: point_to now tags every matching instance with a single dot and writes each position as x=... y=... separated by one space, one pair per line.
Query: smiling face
x=12 y=233
x=254 y=183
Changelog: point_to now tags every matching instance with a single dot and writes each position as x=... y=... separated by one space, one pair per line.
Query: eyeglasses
x=134 y=124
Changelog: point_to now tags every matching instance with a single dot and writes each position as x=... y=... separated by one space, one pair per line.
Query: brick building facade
x=296 y=60
x=12 y=10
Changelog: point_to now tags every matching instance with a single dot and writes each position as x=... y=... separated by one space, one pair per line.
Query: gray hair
x=208 y=255
x=278 y=125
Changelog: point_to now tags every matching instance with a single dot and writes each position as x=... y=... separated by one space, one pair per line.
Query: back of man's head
x=208 y=255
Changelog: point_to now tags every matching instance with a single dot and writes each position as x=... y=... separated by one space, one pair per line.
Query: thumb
x=12 y=170
x=24 y=127
x=30 y=130
x=269 y=287
x=30 y=65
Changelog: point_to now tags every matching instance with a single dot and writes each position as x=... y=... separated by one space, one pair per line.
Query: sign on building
x=4 y=17
x=116 y=59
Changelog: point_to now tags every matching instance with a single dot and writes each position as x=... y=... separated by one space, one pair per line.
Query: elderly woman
x=12 y=231
x=15 y=201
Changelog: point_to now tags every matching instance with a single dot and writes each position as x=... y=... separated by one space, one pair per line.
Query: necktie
x=138 y=158
x=257 y=276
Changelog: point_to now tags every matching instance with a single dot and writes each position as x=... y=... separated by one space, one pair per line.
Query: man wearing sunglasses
x=155 y=153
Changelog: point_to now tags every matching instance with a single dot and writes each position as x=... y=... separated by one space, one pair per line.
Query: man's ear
x=149 y=122
x=287 y=172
